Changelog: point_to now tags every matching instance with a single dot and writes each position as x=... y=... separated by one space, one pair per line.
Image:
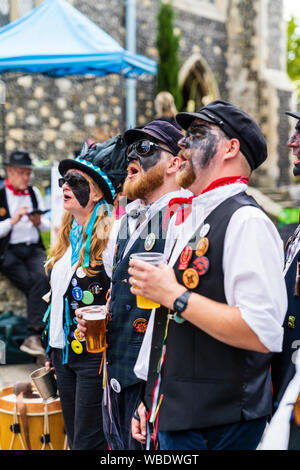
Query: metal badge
x=140 y=325
x=76 y=346
x=204 y=230
x=77 y=293
x=80 y=272
x=115 y=385
x=190 y=278
x=185 y=258
x=87 y=297
x=202 y=246
x=150 y=241
x=201 y=265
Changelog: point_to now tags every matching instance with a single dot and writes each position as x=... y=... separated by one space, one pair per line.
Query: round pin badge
x=74 y=305
x=185 y=258
x=80 y=272
x=77 y=293
x=202 y=246
x=115 y=385
x=140 y=325
x=204 y=230
x=87 y=297
x=78 y=336
x=95 y=288
x=190 y=278
x=150 y=241
x=76 y=346
x=3 y=211
x=201 y=265
x=74 y=282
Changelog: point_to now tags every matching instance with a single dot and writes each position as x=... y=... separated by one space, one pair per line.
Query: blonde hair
x=164 y=104
x=99 y=239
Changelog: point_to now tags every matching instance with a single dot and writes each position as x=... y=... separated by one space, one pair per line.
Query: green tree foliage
x=167 y=43
x=293 y=52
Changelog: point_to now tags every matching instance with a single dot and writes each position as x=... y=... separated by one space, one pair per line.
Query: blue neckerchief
x=76 y=241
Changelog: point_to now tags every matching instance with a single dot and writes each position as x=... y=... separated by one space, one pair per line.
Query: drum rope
x=46 y=428
x=15 y=422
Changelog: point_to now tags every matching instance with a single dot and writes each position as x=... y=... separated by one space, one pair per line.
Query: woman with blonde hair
x=165 y=108
x=79 y=271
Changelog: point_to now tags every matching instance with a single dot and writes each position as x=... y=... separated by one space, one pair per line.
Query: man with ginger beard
x=150 y=184
x=222 y=296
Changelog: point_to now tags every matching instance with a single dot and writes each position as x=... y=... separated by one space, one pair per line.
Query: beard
x=186 y=175
x=145 y=183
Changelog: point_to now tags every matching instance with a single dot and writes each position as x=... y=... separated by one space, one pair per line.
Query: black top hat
x=105 y=162
x=20 y=158
x=293 y=114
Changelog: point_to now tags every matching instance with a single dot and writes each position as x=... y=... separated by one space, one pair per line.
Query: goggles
x=145 y=148
x=73 y=179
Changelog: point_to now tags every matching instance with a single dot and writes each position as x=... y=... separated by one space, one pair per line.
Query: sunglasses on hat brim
x=73 y=179
x=145 y=148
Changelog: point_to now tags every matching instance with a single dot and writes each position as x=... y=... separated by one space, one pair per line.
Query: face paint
x=145 y=162
x=80 y=187
x=294 y=143
x=204 y=144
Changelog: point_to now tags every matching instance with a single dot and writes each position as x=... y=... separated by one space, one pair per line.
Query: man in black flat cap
x=22 y=254
x=222 y=294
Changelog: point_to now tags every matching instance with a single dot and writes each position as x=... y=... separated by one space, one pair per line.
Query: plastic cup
x=155 y=259
x=95 y=335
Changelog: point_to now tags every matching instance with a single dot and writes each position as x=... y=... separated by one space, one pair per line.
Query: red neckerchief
x=184 y=212
x=17 y=192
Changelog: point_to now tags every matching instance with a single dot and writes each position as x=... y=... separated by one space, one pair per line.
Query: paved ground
x=10 y=374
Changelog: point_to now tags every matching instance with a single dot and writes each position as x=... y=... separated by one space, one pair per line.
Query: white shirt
x=253 y=263
x=152 y=209
x=276 y=436
x=23 y=231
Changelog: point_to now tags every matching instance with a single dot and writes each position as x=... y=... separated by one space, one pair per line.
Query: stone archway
x=198 y=83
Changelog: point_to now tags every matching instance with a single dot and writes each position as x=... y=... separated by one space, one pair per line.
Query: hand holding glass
x=155 y=259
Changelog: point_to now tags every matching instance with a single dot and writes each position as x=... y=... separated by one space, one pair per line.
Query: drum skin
x=35 y=415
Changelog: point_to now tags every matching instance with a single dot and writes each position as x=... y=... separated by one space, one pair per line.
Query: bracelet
x=136 y=415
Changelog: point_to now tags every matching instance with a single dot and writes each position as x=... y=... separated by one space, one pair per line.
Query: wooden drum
x=43 y=422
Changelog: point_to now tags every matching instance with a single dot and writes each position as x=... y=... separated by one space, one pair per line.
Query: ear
x=173 y=165
x=232 y=148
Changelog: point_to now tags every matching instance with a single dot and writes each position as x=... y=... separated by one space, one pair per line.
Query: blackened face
x=198 y=148
x=79 y=186
x=294 y=143
x=146 y=162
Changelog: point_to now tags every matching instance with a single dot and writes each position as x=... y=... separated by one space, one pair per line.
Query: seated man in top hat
x=22 y=253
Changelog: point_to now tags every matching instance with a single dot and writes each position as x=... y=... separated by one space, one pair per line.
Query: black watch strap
x=180 y=303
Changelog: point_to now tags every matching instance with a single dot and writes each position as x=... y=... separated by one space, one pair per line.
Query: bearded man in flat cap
x=222 y=294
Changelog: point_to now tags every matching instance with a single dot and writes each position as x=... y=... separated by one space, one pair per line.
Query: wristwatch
x=180 y=305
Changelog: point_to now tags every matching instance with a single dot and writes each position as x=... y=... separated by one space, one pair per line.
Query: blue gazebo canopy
x=57 y=40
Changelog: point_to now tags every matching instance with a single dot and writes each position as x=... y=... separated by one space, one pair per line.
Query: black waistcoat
x=206 y=382
x=128 y=322
x=283 y=363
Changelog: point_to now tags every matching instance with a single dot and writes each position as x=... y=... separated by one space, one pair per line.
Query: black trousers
x=80 y=391
x=23 y=265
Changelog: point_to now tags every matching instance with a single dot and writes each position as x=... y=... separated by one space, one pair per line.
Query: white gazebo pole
x=2 y=104
x=131 y=47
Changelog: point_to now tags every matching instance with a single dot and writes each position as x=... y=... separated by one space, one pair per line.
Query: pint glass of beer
x=95 y=317
x=152 y=258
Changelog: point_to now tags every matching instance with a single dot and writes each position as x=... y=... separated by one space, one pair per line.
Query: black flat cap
x=20 y=158
x=160 y=130
x=236 y=124
x=295 y=115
